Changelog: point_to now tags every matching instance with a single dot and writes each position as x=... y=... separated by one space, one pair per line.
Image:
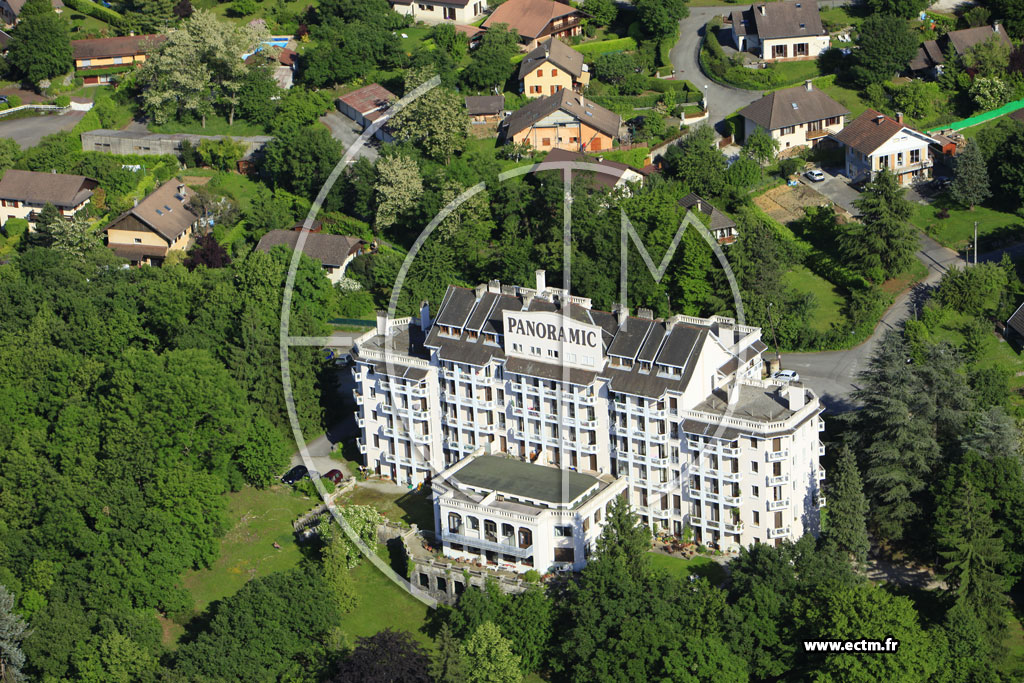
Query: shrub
x=15 y=227
x=13 y=101
x=942 y=213
x=63 y=101
x=531 y=576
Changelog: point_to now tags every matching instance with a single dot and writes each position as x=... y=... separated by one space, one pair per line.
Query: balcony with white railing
x=733 y=501
x=821 y=450
x=734 y=528
x=421 y=438
x=362 y=446
x=713 y=523
x=732 y=477
x=419 y=391
x=696 y=521
x=780 y=532
x=821 y=502
x=776 y=505
x=493 y=546
x=780 y=480
x=778 y=456
x=820 y=472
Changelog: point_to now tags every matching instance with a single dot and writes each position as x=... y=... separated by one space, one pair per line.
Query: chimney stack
x=899 y=117
x=645 y=313
x=808 y=85
x=995 y=26
x=794 y=396
x=761 y=9
x=734 y=392
x=424 y=315
x=727 y=334
x=382 y=323
x=542 y=281
x=621 y=313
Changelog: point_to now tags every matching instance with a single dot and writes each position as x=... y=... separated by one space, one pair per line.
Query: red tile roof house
x=536 y=20
x=875 y=141
x=366 y=105
x=111 y=55
x=24 y=193
x=334 y=252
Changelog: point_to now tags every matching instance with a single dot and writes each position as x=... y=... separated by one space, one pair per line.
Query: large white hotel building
x=677 y=408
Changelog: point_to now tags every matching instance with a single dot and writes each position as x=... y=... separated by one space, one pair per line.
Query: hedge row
x=604 y=46
x=97 y=11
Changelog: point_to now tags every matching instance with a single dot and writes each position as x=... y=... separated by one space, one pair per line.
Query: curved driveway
x=723 y=99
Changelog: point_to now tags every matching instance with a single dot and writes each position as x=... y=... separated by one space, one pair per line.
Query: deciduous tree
x=40 y=47
x=385 y=657
x=489 y=657
x=13 y=630
x=399 y=186
x=436 y=122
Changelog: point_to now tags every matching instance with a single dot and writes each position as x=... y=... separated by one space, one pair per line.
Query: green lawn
x=993 y=352
x=409 y=506
x=828 y=303
x=238 y=187
x=382 y=604
x=957 y=231
x=840 y=17
x=848 y=98
x=417 y=35
x=258 y=518
x=215 y=125
x=701 y=566
x=83 y=26
x=1012 y=664
x=797 y=72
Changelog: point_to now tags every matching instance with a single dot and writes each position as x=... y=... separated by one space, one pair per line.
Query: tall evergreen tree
x=886 y=215
x=971 y=651
x=12 y=630
x=972 y=555
x=846 y=525
x=447 y=664
x=970 y=178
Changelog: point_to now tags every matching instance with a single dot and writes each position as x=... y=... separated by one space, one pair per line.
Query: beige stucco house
x=334 y=252
x=875 y=141
x=23 y=194
x=160 y=223
x=565 y=120
x=780 y=31
x=536 y=20
x=797 y=117
x=550 y=67
x=436 y=11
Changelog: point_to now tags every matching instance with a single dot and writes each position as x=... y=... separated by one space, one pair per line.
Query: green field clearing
x=797 y=72
x=258 y=518
x=382 y=604
x=957 y=231
x=409 y=506
x=993 y=353
x=828 y=309
x=846 y=97
x=238 y=187
x=701 y=566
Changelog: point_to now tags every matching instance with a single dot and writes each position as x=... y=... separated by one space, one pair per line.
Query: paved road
x=347 y=131
x=27 y=132
x=723 y=99
x=832 y=374
x=321 y=447
x=836 y=187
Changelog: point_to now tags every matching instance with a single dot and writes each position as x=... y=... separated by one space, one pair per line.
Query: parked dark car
x=335 y=476
x=295 y=474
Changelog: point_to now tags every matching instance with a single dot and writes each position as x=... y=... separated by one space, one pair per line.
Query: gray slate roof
x=716 y=219
x=59 y=189
x=165 y=210
x=787 y=19
x=480 y=105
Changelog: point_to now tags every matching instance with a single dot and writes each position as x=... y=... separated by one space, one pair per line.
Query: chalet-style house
x=107 y=54
x=875 y=141
x=23 y=194
x=550 y=67
x=536 y=20
x=721 y=226
x=366 y=105
x=780 y=31
x=565 y=120
x=931 y=56
x=801 y=116
x=485 y=108
x=160 y=223
x=612 y=174
x=334 y=252
x=458 y=11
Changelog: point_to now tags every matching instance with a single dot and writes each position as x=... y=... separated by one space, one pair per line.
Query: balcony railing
x=494 y=546
x=776 y=505
x=780 y=532
x=780 y=480
x=734 y=501
x=821 y=473
x=734 y=528
x=778 y=456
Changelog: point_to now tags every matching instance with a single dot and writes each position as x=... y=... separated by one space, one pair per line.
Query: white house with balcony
x=502 y=512
x=875 y=142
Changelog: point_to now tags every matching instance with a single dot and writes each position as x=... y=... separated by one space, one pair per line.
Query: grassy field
x=828 y=303
x=797 y=72
x=409 y=506
x=848 y=98
x=258 y=519
x=1013 y=663
x=215 y=125
x=238 y=187
x=701 y=566
x=958 y=230
x=993 y=352
x=382 y=604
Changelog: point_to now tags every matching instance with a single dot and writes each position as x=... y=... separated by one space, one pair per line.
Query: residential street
x=28 y=131
x=832 y=374
x=723 y=99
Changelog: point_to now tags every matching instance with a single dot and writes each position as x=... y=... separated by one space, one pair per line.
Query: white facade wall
x=797 y=137
x=788 y=47
x=432 y=13
x=675 y=477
